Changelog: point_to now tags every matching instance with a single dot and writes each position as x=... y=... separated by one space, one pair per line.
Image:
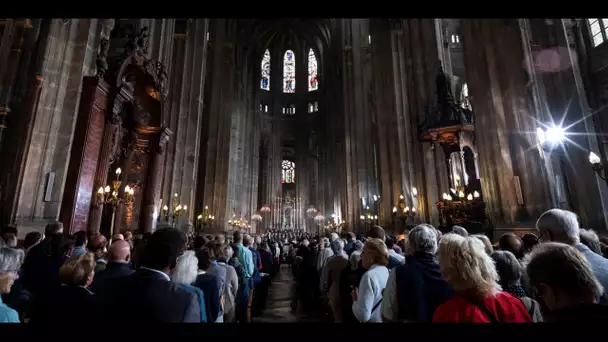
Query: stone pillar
x=149 y=211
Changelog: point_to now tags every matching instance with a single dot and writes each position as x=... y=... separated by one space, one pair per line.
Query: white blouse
x=369 y=294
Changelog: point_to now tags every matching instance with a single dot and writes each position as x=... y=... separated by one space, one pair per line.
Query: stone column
x=147 y=217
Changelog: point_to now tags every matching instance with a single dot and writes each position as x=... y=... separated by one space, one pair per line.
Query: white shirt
x=389 y=307
x=369 y=294
x=401 y=258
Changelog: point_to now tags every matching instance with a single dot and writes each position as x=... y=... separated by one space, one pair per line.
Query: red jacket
x=504 y=307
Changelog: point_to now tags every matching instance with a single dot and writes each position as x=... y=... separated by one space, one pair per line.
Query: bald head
x=120 y=251
x=118 y=237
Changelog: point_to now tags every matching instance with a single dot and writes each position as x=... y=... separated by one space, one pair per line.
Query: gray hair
x=508 y=267
x=486 y=242
x=460 y=231
x=10 y=259
x=333 y=236
x=590 y=239
x=247 y=240
x=337 y=246
x=358 y=245
x=326 y=243
x=228 y=252
x=559 y=222
x=562 y=267
x=422 y=239
x=186 y=271
x=305 y=242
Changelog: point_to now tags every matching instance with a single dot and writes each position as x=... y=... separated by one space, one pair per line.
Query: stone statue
x=102 y=57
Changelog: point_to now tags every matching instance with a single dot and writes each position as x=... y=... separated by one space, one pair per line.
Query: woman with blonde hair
x=368 y=296
x=72 y=298
x=477 y=298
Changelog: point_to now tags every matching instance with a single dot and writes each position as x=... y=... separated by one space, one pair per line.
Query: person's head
x=390 y=243
x=561 y=276
x=558 y=225
x=508 y=267
x=163 y=248
x=465 y=264
x=264 y=246
x=128 y=235
x=358 y=245
x=53 y=228
x=512 y=243
x=235 y=251
x=325 y=243
x=10 y=229
x=98 y=245
x=486 y=243
x=247 y=240
x=376 y=232
x=439 y=234
x=10 y=262
x=32 y=239
x=258 y=240
x=78 y=271
x=422 y=239
x=117 y=237
x=120 y=252
x=238 y=237
x=333 y=236
x=590 y=239
x=80 y=238
x=337 y=246
x=221 y=238
x=458 y=230
x=10 y=239
x=60 y=245
x=186 y=270
x=529 y=240
x=374 y=253
x=349 y=237
x=228 y=252
x=204 y=258
x=199 y=242
x=215 y=250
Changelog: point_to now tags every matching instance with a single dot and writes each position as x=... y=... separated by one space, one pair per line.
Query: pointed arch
x=313 y=81
x=265 y=83
x=289 y=72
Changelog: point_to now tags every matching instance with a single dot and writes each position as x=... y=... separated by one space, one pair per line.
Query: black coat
x=74 y=303
x=112 y=271
x=148 y=297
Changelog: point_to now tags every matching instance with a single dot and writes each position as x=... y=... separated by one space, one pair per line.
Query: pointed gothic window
x=266 y=71
x=288 y=172
x=289 y=72
x=313 y=82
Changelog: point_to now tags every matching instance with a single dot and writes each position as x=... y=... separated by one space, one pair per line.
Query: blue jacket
x=8 y=315
x=201 y=300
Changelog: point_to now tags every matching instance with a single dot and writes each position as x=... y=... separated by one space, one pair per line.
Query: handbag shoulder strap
x=377 y=304
x=482 y=308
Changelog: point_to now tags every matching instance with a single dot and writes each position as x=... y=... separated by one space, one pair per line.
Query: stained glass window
x=266 y=71
x=289 y=72
x=316 y=106
x=313 y=82
x=289 y=173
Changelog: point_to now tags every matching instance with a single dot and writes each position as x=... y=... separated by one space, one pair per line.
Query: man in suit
x=118 y=265
x=148 y=295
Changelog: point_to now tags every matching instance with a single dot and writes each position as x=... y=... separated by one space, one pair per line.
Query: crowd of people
x=558 y=274
x=160 y=277
x=561 y=274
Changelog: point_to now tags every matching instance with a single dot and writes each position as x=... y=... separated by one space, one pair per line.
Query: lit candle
x=475 y=194
x=165 y=208
x=414 y=191
x=413 y=210
x=406 y=209
x=470 y=197
x=107 y=189
x=400 y=196
x=100 y=191
x=461 y=194
x=185 y=208
x=200 y=217
x=118 y=171
x=394 y=209
x=206 y=207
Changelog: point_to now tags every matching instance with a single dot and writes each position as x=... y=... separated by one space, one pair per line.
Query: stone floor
x=278 y=306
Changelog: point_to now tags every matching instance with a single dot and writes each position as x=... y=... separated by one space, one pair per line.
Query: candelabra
x=204 y=220
x=110 y=195
x=369 y=218
x=178 y=211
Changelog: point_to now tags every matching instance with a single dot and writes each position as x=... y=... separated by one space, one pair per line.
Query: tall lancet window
x=464 y=97
x=266 y=71
x=289 y=72
x=313 y=82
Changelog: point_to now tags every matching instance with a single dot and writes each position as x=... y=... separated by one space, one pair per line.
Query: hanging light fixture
x=265 y=209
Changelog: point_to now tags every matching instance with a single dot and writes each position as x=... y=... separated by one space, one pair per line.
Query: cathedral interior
x=313 y=124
